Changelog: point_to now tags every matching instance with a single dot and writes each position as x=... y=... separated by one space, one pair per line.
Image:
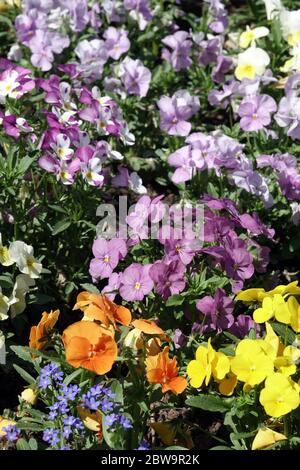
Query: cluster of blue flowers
x=68 y=428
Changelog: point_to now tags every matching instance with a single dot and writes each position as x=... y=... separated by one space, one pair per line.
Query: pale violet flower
x=22 y=255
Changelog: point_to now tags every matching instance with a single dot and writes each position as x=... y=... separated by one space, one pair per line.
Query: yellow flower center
x=106 y=259
x=61 y=152
x=30 y=262
x=137 y=286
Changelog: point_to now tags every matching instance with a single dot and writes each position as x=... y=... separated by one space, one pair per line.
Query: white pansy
x=62 y=147
x=22 y=255
x=135 y=183
x=8 y=86
x=290 y=25
x=91 y=171
x=4 y=306
x=251 y=63
x=5 y=258
x=21 y=288
x=295 y=213
x=249 y=36
x=115 y=155
x=273 y=8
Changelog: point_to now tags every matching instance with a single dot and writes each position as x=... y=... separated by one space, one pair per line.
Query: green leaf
x=221 y=448
x=30 y=425
x=25 y=164
x=90 y=288
x=210 y=403
x=72 y=376
x=33 y=444
x=176 y=448
x=27 y=377
x=117 y=389
x=22 y=444
x=286 y=334
x=22 y=352
x=57 y=208
x=61 y=226
x=176 y=299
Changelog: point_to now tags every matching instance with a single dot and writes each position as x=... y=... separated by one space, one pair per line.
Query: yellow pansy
x=249 y=36
x=286 y=364
x=251 y=295
x=265 y=438
x=271 y=343
x=273 y=307
x=208 y=362
x=258 y=294
x=228 y=384
x=280 y=395
x=250 y=364
x=290 y=289
x=4 y=423
x=294 y=309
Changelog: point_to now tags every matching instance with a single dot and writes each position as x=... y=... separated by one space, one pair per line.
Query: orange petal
x=178 y=384
x=78 y=351
x=85 y=329
x=148 y=327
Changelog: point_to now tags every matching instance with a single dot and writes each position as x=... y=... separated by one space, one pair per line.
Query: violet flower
x=255 y=112
x=168 y=277
x=135 y=77
x=175 y=112
x=117 y=42
x=178 y=50
x=135 y=282
x=107 y=256
x=217 y=310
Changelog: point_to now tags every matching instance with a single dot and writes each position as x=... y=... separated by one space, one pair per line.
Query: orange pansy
x=163 y=370
x=90 y=346
x=41 y=330
x=101 y=308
